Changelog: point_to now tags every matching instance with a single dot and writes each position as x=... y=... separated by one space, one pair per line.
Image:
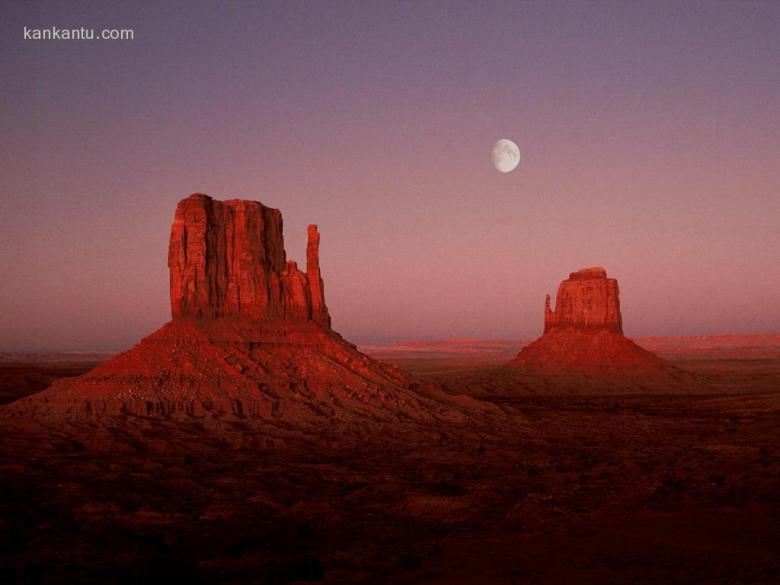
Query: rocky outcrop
x=250 y=337
x=584 y=333
x=227 y=258
x=585 y=300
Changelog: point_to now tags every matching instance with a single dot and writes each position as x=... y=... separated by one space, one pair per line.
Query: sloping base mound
x=602 y=351
x=236 y=366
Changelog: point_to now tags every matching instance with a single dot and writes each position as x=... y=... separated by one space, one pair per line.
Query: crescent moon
x=506 y=155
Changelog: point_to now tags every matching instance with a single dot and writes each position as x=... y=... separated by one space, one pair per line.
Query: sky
x=649 y=133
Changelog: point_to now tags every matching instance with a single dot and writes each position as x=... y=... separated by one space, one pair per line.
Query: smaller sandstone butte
x=585 y=331
x=586 y=300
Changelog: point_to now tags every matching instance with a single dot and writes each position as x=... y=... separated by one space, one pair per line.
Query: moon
x=506 y=155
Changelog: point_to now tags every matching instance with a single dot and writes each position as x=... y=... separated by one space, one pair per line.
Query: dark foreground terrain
x=658 y=482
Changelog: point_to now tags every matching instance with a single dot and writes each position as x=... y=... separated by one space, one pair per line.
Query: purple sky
x=650 y=137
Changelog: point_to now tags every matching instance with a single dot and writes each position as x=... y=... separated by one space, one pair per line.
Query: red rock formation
x=586 y=300
x=227 y=258
x=585 y=331
x=250 y=336
x=319 y=312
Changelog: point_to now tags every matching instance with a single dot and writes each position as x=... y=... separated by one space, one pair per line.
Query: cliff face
x=586 y=300
x=585 y=331
x=227 y=258
x=250 y=337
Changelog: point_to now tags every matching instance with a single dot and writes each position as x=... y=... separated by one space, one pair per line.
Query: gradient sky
x=650 y=137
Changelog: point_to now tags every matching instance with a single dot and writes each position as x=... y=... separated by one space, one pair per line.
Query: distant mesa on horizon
x=584 y=333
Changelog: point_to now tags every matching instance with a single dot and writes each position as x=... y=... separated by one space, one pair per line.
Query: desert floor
x=591 y=481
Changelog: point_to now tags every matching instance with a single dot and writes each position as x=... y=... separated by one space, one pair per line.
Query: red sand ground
x=623 y=481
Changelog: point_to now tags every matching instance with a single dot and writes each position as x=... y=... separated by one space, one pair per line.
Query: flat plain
x=585 y=480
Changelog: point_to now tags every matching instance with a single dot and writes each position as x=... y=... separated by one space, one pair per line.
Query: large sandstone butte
x=585 y=331
x=227 y=258
x=250 y=336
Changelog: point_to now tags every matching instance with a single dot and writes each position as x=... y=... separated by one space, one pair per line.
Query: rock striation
x=227 y=258
x=584 y=333
x=250 y=336
x=585 y=300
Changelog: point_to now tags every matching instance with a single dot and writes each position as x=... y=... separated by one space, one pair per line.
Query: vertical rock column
x=319 y=312
x=548 y=314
